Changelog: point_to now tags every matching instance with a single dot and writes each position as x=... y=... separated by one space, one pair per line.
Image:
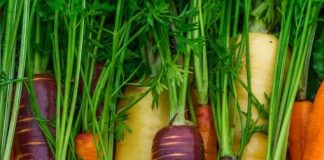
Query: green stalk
x=200 y=59
x=90 y=76
x=238 y=63
x=223 y=80
x=278 y=74
x=57 y=70
x=68 y=78
x=294 y=74
x=110 y=139
x=78 y=55
x=248 y=121
x=37 y=58
x=184 y=83
x=191 y=107
x=7 y=67
x=20 y=74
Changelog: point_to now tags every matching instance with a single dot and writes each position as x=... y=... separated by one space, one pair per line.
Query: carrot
x=262 y=60
x=314 y=146
x=299 y=118
x=144 y=122
x=29 y=140
x=200 y=96
x=85 y=146
x=178 y=142
x=258 y=142
x=84 y=142
x=206 y=129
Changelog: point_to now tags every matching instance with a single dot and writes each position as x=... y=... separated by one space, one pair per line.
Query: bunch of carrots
x=161 y=79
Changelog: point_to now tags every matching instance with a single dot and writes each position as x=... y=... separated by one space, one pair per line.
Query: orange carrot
x=298 y=123
x=207 y=131
x=85 y=146
x=314 y=146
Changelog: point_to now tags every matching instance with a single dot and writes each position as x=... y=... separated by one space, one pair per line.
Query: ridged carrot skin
x=29 y=140
x=206 y=129
x=297 y=131
x=85 y=146
x=178 y=143
x=314 y=146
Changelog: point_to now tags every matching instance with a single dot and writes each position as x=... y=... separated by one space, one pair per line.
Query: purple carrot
x=178 y=142
x=30 y=142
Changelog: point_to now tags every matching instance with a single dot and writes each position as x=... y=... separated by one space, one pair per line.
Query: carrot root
x=85 y=146
x=29 y=141
x=207 y=131
x=314 y=146
x=297 y=133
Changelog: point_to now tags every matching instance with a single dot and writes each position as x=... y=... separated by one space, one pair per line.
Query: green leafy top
x=264 y=17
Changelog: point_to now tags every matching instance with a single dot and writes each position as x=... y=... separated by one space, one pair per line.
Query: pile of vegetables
x=161 y=79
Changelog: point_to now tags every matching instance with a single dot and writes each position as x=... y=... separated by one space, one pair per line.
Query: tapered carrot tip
x=178 y=142
x=85 y=146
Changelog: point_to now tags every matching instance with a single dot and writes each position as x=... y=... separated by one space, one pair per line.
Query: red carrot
x=207 y=131
x=205 y=127
x=314 y=146
x=29 y=141
x=298 y=123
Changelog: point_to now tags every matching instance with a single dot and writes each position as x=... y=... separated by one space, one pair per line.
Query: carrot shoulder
x=314 y=146
x=297 y=132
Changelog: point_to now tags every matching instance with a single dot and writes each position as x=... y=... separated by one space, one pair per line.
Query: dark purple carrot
x=178 y=142
x=30 y=142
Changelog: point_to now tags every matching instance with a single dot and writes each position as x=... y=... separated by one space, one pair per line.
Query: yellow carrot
x=262 y=60
x=144 y=122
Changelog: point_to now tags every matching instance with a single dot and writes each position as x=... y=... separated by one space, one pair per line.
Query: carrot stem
x=300 y=51
x=21 y=68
